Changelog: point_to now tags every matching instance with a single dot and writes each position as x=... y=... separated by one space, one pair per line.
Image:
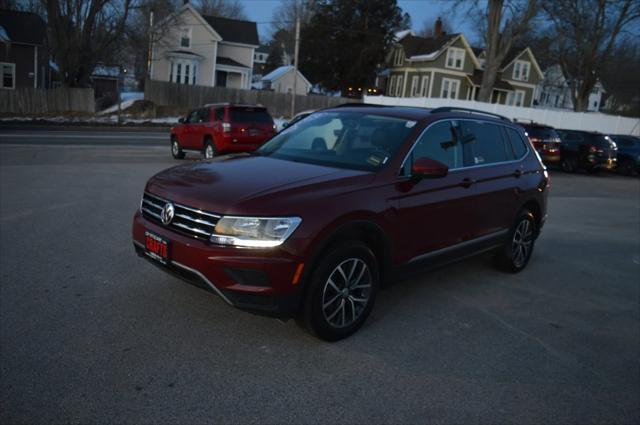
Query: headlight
x=254 y=232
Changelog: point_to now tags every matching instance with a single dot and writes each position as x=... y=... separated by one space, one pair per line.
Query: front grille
x=186 y=220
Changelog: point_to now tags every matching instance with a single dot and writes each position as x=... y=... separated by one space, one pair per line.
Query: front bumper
x=601 y=162
x=259 y=281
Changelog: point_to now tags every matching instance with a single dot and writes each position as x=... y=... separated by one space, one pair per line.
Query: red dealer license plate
x=157 y=247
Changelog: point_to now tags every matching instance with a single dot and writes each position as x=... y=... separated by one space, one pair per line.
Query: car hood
x=241 y=184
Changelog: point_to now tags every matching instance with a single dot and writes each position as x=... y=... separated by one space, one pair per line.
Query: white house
x=190 y=48
x=554 y=91
x=281 y=80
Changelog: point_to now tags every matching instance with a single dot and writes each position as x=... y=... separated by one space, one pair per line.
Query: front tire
x=342 y=291
x=516 y=252
x=569 y=164
x=626 y=167
x=209 y=150
x=176 y=150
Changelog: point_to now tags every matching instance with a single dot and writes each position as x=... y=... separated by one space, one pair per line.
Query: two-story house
x=554 y=91
x=446 y=66
x=24 y=60
x=190 y=48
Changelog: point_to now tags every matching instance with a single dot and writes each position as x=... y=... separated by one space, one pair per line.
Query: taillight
x=594 y=149
x=226 y=127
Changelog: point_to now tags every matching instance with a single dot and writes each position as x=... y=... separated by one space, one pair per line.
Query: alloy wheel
x=175 y=149
x=346 y=292
x=522 y=243
x=208 y=152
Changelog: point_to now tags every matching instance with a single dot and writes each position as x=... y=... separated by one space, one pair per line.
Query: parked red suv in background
x=545 y=140
x=221 y=128
x=310 y=224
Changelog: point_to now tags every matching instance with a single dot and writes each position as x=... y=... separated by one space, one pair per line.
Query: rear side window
x=219 y=114
x=483 y=143
x=249 y=115
x=439 y=142
x=517 y=143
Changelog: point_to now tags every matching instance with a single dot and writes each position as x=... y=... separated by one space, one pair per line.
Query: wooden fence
x=30 y=101
x=279 y=104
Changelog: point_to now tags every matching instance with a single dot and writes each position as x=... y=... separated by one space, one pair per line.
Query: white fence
x=590 y=121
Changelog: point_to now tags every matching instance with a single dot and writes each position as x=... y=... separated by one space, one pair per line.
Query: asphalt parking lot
x=90 y=333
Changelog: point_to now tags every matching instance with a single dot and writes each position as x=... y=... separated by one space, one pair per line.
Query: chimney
x=438 y=29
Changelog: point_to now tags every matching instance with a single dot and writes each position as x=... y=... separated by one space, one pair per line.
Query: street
x=90 y=333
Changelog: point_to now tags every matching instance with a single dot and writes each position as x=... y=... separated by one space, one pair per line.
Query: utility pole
x=295 y=66
x=150 y=53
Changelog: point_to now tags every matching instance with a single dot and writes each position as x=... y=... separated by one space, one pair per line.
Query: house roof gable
x=23 y=27
x=421 y=48
x=515 y=53
x=234 y=31
x=279 y=72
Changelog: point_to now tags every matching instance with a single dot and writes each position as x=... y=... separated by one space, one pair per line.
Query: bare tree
x=506 y=22
x=82 y=33
x=585 y=33
x=224 y=8
x=284 y=23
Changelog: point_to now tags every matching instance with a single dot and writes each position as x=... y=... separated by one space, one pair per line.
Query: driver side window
x=439 y=143
x=193 y=117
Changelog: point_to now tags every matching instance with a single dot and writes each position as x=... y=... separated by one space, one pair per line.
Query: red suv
x=310 y=225
x=221 y=128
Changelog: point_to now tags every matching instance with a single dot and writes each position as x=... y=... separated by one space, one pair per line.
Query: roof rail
x=468 y=110
x=357 y=104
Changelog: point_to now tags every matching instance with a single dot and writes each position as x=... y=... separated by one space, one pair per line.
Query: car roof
x=232 y=105
x=534 y=125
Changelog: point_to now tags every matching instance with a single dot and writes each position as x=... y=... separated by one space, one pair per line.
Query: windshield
x=340 y=139
x=543 y=133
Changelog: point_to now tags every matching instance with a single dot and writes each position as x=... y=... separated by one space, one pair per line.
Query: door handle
x=467 y=182
x=517 y=173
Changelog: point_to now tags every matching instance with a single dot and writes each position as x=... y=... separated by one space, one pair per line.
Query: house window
x=424 y=88
x=449 y=88
x=399 y=87
x=178 y=73
x=521 y=70
x=8 y=75
x=398 y=57
x=193 y=80
x=185 y=37
x=392 y=85
x=455 y=58
x=186 y=74
x=415 y=80
x=519 y=98
x=595 y=105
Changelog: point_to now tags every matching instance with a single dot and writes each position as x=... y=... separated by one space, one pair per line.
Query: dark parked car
x=586 y=150
x=220 y=128
x=628 y=154
x=310 y=224
x=545 y=140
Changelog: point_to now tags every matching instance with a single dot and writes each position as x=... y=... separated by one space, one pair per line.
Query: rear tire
x=341 y=292
x=176 y=150
x=209 y=150
x=515 y=254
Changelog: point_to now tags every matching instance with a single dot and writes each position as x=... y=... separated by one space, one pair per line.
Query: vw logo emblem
x=166 y=215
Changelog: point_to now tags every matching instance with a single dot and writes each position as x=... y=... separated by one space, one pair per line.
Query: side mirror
x=181 y=120
x=428 y=168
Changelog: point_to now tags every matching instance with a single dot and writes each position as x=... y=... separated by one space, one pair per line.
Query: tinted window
x=203 y=115
x=249 y=115
x=219 y=115
x=483 y=143
x=571 y=137
x=439 y=143
x=517 y=143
